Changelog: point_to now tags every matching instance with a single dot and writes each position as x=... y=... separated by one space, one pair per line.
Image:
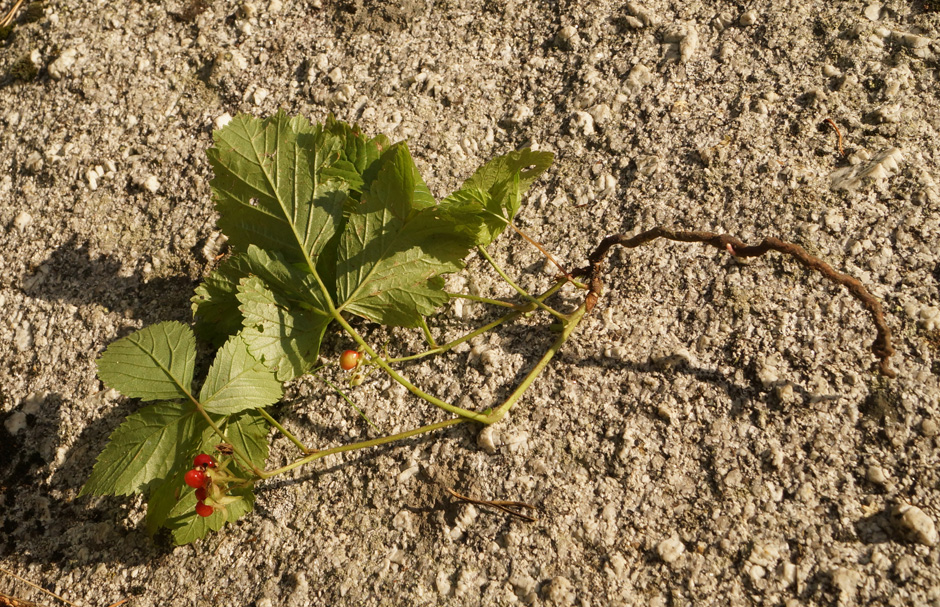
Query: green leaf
x=145 y=447
x=498 y=187
x=187 y=526
x=152 y=364
x=358 y=155
x=164 y=493
x=237 y=381
x=269 y=189
x=248 y=433
x=285 y=338
x=215 y=305
x=395 y=247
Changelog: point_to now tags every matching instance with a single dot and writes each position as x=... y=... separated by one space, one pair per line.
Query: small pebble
x=63 y=64
x=917 y=524
x=22 y=220
x=222 y=120
x=670 y=550
x=876 y=474
x=582 y=123
x=151 y=184
x=92 y=177
x=15 y=422
x=873 y=11
x=259 y=96
x=567 y=38
x=929 y=427
x=748 y=19
x=488 y=439
x=560 y=591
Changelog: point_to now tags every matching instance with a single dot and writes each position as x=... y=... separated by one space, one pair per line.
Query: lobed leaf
x=155 y=363
x=238 y=381
x=285 y=338
x=395 y=246
x=498 y=187
x=144 y=448
x=269 y=189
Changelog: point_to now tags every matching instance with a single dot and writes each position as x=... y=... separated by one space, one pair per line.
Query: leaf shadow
x=43 y=520
x=71 y=275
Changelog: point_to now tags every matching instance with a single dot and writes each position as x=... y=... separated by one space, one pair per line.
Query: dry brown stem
x=881 y=347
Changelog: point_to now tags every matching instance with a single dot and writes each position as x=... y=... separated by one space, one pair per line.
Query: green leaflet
x=155 y=363
x=269 y=189
x=216 y=303
x=396 y=245
x=247 y=431
x=237 y=381
x=145 y=448
x=498 y=186
x=187 y=526
x=285 y=337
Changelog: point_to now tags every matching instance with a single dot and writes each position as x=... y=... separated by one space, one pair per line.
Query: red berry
x=203 y=509
x=349 y=360
x=195 y=478
x=201 y=494
x=203 y=461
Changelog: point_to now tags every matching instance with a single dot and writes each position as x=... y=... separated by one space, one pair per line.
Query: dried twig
x=535 y=244
x=831 y=123
x=8 y=19
x=511 y=508
x=881 y=347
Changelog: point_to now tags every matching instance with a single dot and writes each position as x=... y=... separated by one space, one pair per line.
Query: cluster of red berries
x=199 y=480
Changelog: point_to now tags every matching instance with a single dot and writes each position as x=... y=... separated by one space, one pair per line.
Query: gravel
x=713 y=435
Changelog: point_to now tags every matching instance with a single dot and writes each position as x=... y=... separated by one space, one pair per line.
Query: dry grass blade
x=8 y=18
x=511 y=508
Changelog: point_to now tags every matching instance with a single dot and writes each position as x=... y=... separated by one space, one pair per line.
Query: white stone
x=567 y=38
x=222 y=120
x=910 y=40
x=22 y=220
x=442 y=582
x=644 y=16
x=91 y=176
x=15 y=422
x=639 y=76
x=582 y=123
x=748 y=18
x=670 y=549
x=560 y=591
x=873 y=11
x=151 y=184
x=876 y=474
x=917 y=523
x=63 y=64
x=488 y=439
x=259 y=95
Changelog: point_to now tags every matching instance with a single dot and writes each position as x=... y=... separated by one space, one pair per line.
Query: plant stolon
x=326 y=225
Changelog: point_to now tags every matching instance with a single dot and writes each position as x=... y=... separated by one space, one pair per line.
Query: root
x=881 y=347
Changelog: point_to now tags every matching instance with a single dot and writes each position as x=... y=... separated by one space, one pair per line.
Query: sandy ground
x=714 y=435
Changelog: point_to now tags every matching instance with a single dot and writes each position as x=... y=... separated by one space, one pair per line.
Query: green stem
x=218 y=431
x=351 y=404
x=486 y=300
x=573 y=321
x=363 y=445
x=520 y=310
x=427 y=332
x=284 y=431
x=525 y=294
x=378 y=360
